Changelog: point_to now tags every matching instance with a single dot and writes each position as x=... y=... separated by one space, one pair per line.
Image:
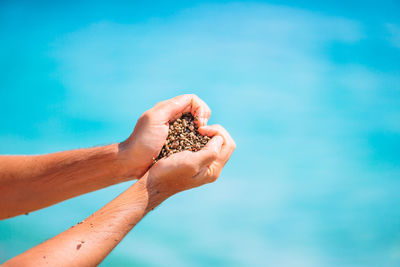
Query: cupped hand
x=144 y=144
x=186 y=170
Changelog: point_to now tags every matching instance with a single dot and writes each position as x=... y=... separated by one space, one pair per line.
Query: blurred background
x=309 y=90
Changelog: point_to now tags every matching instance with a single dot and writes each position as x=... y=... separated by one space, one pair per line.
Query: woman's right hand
x=186 y=170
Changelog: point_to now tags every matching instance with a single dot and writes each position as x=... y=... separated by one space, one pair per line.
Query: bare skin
x=32 y=182
x=89 y=242
x=28 y=183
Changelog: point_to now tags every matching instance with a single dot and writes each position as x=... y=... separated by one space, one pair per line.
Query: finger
x=167 y=110
x=200 y=110
x=228 y=146
x=210 y=152
x=170 y=110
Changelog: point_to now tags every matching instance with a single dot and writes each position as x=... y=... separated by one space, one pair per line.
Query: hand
x=186 y=170
x=145 y=143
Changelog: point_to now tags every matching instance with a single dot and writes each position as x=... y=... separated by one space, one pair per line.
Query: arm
x=29 y=183
x=89 y=242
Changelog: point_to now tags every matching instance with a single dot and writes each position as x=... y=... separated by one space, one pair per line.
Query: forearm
x=89 y=242
x=29 y=183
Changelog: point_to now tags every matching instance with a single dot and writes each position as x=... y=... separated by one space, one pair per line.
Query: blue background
x=309 y=91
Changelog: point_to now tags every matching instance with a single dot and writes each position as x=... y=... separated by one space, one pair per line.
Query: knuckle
x=162 y=104
x=146 y=116
x=190 y=96
x=159 y=104
x=220 y=131
x=219 y=127
x=174 y=102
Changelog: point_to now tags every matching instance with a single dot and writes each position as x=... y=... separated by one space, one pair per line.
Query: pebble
x=183 y=135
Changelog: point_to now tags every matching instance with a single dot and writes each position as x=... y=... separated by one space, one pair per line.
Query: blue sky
x=310 y=92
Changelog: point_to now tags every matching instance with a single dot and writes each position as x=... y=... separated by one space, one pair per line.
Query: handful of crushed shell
x=183 y=135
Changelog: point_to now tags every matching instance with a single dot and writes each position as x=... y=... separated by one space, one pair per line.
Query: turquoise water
x=310 y=92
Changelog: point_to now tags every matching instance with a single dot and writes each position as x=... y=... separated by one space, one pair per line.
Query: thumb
x=210 y=152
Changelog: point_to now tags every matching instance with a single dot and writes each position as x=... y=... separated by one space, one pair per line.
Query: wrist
x=129 y=158
x=155 y=191
x=109 y=157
